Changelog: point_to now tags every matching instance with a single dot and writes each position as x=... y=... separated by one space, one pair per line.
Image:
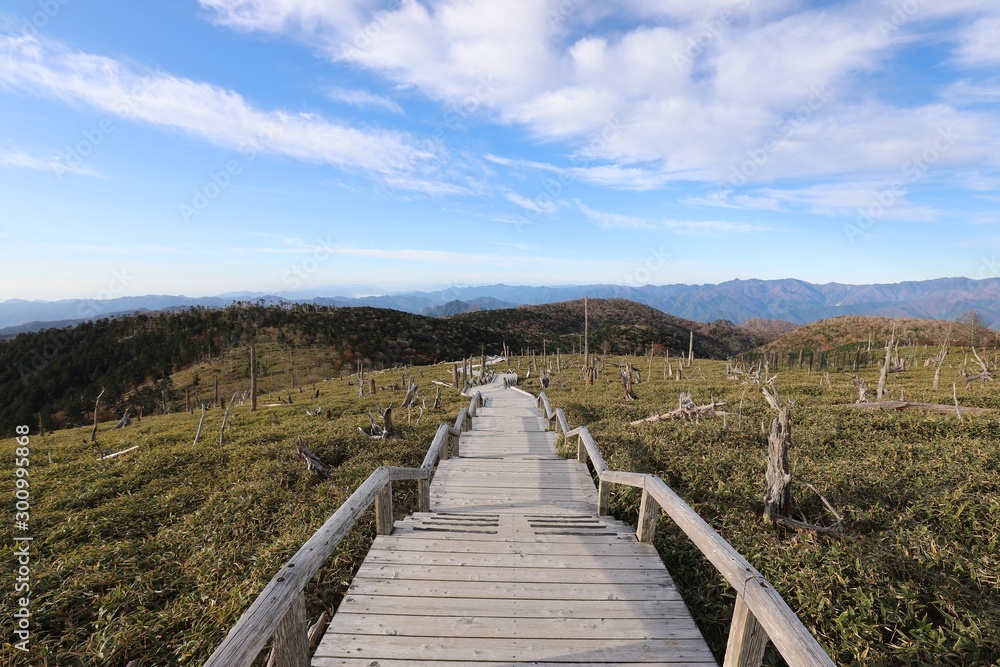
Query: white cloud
x=714 y=227
x=19 y=159
x=538 y=205
x=677 y=91
x=847 y=198
x=614 y=220
x=362 y=98
x=730 y=199
x=980 y=42
x=220 y=116
x=701 y=227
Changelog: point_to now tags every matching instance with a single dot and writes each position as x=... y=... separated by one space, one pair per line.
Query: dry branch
x=936 y=408
x=97 y=405
x=312 y=461
x=201 y=423
x=687 y=410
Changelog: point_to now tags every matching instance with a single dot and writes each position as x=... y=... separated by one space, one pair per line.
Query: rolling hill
x=854 y=330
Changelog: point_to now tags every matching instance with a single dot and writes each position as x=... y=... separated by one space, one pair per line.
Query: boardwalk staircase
x=512 y=559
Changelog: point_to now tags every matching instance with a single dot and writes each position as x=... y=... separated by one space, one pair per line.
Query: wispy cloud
x=20 y=159
x=537 y=205
x=699 y=227
x=727 y=198
x=614 y=220
x=712 y=227
x=362 y=98
x=220 y=116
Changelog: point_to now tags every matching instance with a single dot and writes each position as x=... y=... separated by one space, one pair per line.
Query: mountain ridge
x=738 y=301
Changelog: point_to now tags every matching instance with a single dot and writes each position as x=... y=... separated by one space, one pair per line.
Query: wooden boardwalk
x=511 y=566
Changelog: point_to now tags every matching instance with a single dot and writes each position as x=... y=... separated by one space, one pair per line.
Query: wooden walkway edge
x=511 y=566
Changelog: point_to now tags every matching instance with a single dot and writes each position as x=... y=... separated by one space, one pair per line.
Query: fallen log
x=936 y=408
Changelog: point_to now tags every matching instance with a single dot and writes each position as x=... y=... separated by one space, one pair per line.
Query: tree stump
x=778 y=497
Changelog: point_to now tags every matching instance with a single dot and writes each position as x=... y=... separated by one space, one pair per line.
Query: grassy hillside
x=59 y=373
x=617 y=326
x=156 y=553
x=840 y=331
x=56 y=375
x=920 y=492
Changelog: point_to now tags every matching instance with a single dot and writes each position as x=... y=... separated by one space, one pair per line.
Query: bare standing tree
x=974 y=324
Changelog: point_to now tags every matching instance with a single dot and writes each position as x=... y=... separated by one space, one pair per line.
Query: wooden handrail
x=279 y=610
x=760 y=613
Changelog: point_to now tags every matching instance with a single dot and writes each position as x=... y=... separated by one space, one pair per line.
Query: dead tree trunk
x=225 y=418
x=454 y=375
x=627 y=383
x=778 y=497
x=884 y=375
x=862 y=388
x=691 y=349
x=97 y=405
x=437 y=399
x=197 y=436
x=253 y=375
x=388 y=428
x=411 y=395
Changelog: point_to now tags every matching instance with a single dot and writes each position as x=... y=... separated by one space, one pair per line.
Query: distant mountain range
x=737 y=301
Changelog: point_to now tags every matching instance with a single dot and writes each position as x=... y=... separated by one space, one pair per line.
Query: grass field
x=156 y=553
x=920 y=492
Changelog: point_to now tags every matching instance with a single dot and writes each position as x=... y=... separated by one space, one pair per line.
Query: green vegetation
x=56 y=375
x=854 y=330
x=921 y=492
x=156 y=553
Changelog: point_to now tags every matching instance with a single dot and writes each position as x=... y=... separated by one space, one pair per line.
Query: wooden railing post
x=291 y=637
x=649 y=512
x=424 y=494
x=383 y=510
x=747 y=639
x=603 y=498
x=455 y=442
x=581 y=450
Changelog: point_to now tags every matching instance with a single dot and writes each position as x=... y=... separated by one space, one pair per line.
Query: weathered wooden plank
x=513 y=649
x=523 y=575
x=364 y=662
x=468 y=626
x=660 y=608
x=463 y=546
x=515 y=560
x=498 y=590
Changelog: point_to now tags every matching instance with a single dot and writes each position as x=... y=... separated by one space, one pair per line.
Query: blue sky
x=209 y=146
